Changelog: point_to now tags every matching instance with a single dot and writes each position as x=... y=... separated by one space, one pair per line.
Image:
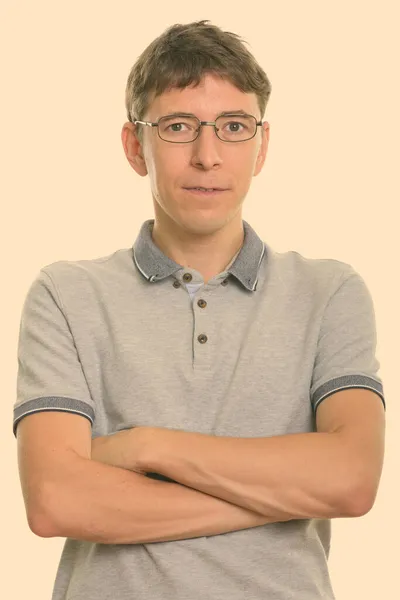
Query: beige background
x=329 y=189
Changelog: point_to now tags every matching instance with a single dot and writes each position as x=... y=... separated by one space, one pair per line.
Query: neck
x=207 y=249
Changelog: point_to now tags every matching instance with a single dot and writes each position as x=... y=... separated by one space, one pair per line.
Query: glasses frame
x=202 y=124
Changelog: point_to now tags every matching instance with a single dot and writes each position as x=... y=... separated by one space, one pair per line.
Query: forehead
x=211 y=97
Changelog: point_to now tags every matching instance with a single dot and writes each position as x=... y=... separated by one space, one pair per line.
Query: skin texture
x=124 y=449
x=344 y=461
x=197 y=232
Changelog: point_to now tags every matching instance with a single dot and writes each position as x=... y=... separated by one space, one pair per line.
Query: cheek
x=167 y=164
x=156 y=171
x=171 y=171
x=244 y=166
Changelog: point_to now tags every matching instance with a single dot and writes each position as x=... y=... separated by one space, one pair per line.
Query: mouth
x=205 y=191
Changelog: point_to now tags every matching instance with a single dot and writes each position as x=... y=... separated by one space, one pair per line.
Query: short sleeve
x=346 y=352
x=50 y=375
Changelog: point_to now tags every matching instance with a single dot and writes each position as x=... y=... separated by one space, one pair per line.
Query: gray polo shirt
x=134 y=338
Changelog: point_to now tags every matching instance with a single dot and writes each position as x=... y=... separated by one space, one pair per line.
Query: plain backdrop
x=329 y=189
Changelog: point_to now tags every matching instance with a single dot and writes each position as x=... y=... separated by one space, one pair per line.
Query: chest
x=243 y=374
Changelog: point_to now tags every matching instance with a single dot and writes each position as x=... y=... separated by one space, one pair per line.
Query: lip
x=214 y=192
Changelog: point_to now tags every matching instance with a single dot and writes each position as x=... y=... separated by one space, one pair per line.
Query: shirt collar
x=154 y=265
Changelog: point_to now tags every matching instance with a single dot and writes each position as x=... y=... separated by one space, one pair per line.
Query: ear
x=133 y=149
x=262 y=153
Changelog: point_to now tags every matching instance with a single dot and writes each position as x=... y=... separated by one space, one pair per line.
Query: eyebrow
x=240 y=111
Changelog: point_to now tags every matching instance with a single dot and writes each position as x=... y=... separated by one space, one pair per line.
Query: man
x=193 y=411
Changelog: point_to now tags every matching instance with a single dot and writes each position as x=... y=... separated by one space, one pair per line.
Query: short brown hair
x=182 y=55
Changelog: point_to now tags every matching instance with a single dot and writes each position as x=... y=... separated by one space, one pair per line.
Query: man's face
x=207 y=162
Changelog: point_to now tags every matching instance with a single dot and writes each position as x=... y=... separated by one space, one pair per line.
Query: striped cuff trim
x=347 y=382
x=59 y=403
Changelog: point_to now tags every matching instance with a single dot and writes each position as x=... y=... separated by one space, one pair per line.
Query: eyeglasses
x=182 y=129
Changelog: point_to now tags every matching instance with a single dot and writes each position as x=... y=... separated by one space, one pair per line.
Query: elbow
x=40 y=519
x=40 y=525
x=359 y=500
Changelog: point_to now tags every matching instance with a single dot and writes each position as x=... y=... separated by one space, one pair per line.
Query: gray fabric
x=112 y=339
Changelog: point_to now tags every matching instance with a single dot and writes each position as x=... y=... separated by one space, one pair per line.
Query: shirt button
x=202 y=303
x=225 y=282
x=176 y=284
x=187 y=277
x=202 y=338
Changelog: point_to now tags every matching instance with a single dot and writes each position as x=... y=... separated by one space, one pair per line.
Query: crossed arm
x=333 y=472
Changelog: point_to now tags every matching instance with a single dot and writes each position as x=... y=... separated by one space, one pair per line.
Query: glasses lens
x=236 y=128
x=178 y=129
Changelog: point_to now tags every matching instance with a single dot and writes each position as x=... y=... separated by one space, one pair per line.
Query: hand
x=124 y=449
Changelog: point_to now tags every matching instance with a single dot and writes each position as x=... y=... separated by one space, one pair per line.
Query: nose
x=206 y=149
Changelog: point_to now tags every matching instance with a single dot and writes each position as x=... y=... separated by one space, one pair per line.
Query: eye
x=236 y=126
x=176 y=126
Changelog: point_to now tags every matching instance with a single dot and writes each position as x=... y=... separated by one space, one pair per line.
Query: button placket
x=187 y=277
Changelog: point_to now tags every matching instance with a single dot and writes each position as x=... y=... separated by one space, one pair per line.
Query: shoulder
x=315 y=275
x=66 y=273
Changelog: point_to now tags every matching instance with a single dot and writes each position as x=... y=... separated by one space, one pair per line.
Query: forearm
x=109 y=505
x=296 y=476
